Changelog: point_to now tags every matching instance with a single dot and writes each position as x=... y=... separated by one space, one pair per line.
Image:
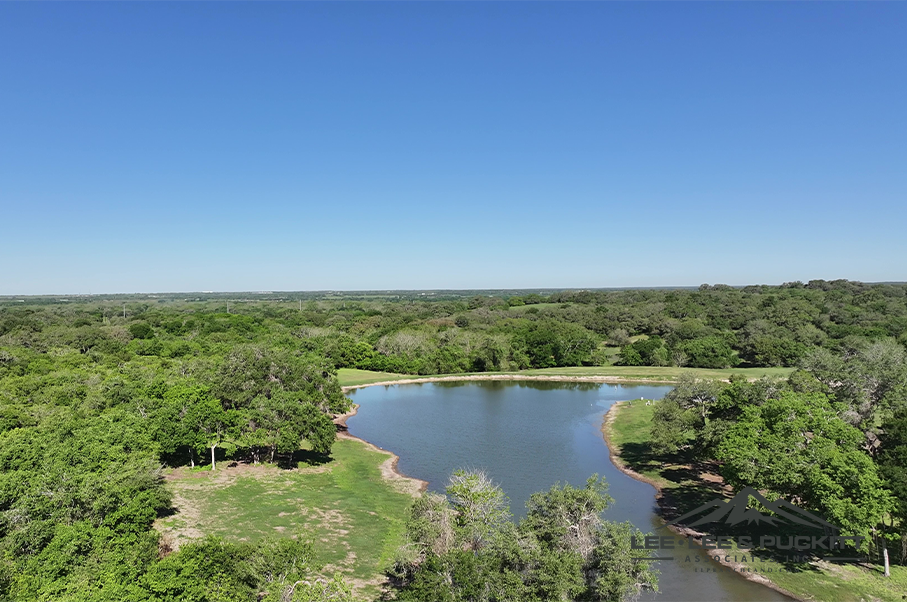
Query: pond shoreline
x=664 y=506
x=389 y=471
x=613 y=380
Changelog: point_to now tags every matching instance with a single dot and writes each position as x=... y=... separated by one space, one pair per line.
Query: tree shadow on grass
x=677 y=501
x=688 y=489
x=303 y=456
x=639 y=456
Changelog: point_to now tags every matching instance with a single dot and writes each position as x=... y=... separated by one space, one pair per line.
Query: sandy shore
x=665 y=505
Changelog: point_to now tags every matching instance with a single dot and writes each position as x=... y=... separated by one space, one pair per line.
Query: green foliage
x=547 y=344
x=628 y=434
x=709 y=352
x=480 y=507
x=562 y=550
x=89 y=412
x=650 y=351
x=892 y=462
x=271 y=570
x=92 y=403
x=141 y=330
x=796 y=446
x=683 y=417
x=870 y=378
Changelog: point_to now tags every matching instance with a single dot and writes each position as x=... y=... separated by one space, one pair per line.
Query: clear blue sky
x=307 y=146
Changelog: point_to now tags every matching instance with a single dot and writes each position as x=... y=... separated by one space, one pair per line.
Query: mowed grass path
x=689 y=484
x=354 y=515
x=350 y=377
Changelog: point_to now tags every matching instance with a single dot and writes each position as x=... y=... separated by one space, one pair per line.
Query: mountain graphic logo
x=737 y=510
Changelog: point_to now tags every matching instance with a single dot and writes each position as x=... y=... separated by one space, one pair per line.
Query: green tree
x=481 y=507
x=141 y=330
x=892 y=461
x=468 y=549
x=797 y=447
x=218 y=426
x=253 y=370
x=684 y=415
x=709 y=352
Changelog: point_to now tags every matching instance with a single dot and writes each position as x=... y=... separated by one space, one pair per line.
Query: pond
x=528 y=435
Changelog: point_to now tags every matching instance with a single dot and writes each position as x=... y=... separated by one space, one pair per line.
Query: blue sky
x=308 y=146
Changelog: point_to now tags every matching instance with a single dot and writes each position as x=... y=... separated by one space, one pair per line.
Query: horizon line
x=6 y=296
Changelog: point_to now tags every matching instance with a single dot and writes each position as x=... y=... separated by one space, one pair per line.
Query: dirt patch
x=182 y=526
x=834 y=569
x=223 y=472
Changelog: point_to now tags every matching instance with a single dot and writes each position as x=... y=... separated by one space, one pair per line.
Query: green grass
x=682 y=483
x=351 y=377
x=355 y=516
x=630 y=431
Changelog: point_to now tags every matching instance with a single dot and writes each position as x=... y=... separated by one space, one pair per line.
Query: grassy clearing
x=354 y=515
x=349 y=377
x=687 y=484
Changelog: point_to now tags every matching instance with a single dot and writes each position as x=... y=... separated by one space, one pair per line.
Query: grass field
x=354 y=515
x=689 y=484
x=350 y=377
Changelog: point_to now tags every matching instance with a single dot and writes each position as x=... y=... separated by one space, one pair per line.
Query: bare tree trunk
x=885 y=556
x=212 y=457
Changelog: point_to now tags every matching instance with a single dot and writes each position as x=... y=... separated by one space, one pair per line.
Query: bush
x=141 y=330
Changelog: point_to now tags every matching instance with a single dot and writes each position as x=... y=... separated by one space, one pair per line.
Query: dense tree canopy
x=91 y=412
x=465 y=548
x=832 y=438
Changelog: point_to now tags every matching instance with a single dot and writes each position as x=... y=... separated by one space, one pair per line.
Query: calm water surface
x=528 y=436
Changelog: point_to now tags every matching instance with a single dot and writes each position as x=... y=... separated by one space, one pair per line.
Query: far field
x=350 y=377
x=687 y=484
x=353 y=514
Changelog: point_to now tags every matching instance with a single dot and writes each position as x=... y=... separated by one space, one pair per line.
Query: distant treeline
x=712 y=327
